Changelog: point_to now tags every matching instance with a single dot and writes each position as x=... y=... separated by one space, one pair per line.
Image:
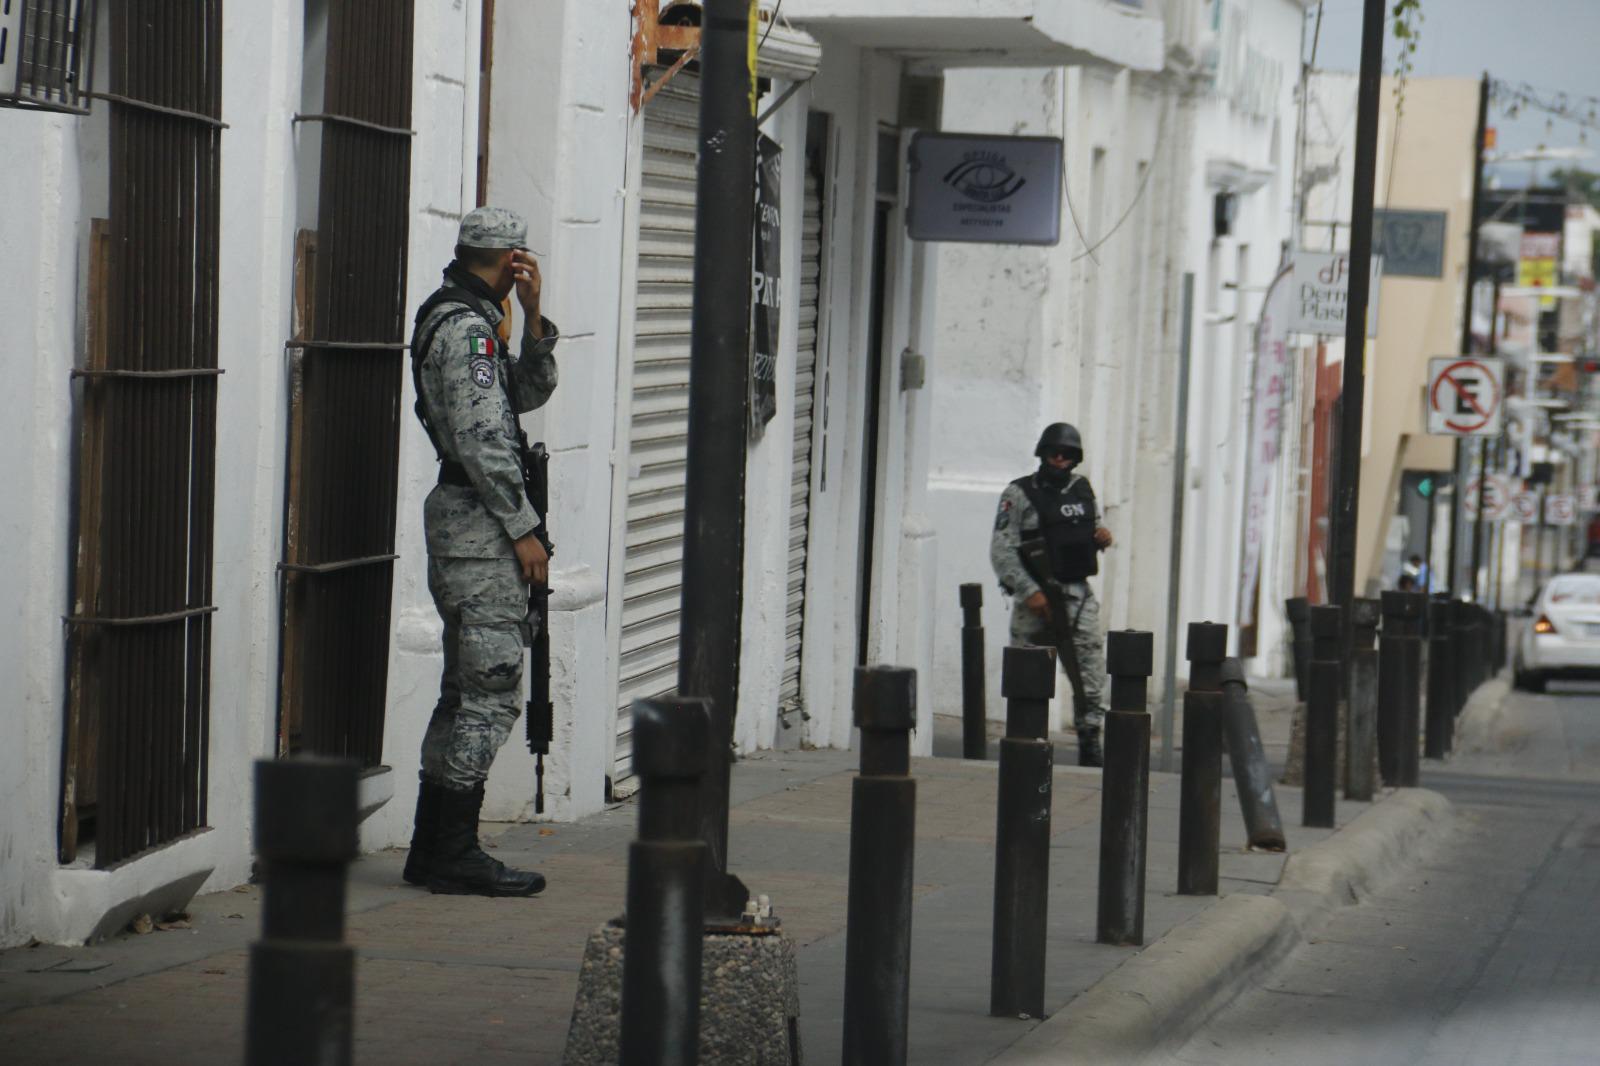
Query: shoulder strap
x=1030 y=490
x=419 y=352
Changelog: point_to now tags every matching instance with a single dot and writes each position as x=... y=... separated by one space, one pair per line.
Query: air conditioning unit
x=47 y=54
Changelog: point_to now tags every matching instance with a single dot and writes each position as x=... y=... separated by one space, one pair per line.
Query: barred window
x=47 y=54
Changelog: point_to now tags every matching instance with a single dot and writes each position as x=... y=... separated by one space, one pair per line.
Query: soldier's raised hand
x=525 y=269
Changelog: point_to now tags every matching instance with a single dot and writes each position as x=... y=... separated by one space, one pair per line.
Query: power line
x=1583 y=111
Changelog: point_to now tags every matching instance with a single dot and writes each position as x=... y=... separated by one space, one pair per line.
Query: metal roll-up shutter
x=658 y=408
x=789 y=694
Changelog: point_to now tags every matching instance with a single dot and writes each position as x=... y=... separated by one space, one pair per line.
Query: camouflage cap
x=493 y=227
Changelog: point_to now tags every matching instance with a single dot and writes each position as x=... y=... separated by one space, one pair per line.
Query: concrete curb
x=1480 y=720
x=1165 y=991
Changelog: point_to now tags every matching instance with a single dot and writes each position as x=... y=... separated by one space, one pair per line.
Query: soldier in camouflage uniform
x=482 y=551
x=1073 y=538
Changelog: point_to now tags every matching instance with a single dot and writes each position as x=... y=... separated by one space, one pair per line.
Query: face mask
x=1051 y=476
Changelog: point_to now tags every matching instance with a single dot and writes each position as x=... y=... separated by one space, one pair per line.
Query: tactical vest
x=1067 y=523
x=450 y=471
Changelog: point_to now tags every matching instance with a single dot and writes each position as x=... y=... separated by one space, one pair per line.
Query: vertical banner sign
x=1271 y=386
x=766 y=289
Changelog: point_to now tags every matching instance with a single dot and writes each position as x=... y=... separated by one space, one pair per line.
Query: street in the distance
x=1486 y=953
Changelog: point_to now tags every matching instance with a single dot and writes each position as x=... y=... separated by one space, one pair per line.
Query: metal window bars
x=139 y=634
x=338 y=568
x=47 y=54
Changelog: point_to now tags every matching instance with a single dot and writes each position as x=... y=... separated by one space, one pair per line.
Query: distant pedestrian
x=1046 y=544
x=1407 y=583
x=1417 y=568
x=483 y=548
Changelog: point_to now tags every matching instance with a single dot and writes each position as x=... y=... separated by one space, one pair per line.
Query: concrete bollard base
x=749 y=1000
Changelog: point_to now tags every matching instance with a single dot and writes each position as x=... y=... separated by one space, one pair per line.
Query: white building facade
x=868 y=493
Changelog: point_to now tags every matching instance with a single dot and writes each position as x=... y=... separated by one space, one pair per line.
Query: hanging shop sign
x=1411 y=242
x=766 y=289
x=994 y=190
x=1322 y=292
x=1465 y=397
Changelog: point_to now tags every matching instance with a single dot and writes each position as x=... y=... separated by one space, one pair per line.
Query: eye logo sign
x=985 y=177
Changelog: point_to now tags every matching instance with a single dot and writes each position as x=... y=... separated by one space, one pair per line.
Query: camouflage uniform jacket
x=473 y=392
x=1015 y=521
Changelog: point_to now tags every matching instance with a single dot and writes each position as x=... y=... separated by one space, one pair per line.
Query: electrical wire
x=1138 y=195
x=1583 y=111
x=773 y=21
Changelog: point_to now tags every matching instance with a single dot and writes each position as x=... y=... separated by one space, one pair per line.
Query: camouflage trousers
x=1084 y=612
x=484 y=605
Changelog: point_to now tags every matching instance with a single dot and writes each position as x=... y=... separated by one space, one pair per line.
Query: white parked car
x=1561 y=636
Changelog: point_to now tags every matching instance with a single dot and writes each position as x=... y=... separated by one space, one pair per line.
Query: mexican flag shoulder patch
x=482 y=346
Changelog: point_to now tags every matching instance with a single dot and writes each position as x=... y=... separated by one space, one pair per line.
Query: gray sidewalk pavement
x=453 y=979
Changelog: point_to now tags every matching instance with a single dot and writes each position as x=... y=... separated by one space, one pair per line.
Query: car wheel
x=1534 y=682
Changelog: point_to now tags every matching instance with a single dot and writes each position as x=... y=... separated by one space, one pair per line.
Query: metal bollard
x=1415 y=628
x=1461 y=627
x=1361 y=731
x=1207 y=647
x=1022 y=835
x=1322 y=717
x=1252 y=777
x=883 y=822
x=302 y=975
x=1125 y=789
x=974 y=711
x=1200 y=784
x=666 y=869
x=1441 y=678
x=1299 y=612
x=1392 y=650
x=1200 y=794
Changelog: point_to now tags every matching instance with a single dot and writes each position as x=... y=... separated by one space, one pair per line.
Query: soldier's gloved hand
x=532 y=558
x=1038 y=605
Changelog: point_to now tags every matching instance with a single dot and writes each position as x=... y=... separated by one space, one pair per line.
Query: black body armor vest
x=1067 y=523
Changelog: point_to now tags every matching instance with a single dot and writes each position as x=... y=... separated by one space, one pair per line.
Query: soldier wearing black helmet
x=1046 y=544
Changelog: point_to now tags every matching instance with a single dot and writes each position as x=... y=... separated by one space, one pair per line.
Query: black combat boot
x=425 y=827
x=460 y=867
x=1090 y=753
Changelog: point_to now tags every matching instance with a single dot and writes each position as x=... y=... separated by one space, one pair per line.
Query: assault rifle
x=1036 y=559
x=540 y=712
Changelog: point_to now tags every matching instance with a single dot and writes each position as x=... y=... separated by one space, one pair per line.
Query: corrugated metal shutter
x=804 y=396
x=659 y=408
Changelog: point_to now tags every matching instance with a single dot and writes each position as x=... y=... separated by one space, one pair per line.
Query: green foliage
x=1579 y=182
x=1407 y=18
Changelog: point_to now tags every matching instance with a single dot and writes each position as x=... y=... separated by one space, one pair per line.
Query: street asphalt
x=1489 y=952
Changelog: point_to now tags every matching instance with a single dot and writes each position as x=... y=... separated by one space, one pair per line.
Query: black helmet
x=1060 y=437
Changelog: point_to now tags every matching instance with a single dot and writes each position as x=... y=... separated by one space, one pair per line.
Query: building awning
x=989 y=33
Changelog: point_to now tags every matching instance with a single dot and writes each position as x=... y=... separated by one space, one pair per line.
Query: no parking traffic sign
x=1525 y=508
x=1497 y=498
x=1464 y=396
x=1561 y=510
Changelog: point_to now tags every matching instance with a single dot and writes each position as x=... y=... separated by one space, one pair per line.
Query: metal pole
x=1252 y=777
x=1200 y=794
x=1180 y=473
x=1125 y=790
x=974 y=713
x=719 y=387
x=883 y=817
x=666 y=872
x=302 y=975
x=1347 y=498
x=1465 y=666
x=1361 y=729
x=1022 y=835
x=1322 y=717
x=1441 y=680
x=1466 y=324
